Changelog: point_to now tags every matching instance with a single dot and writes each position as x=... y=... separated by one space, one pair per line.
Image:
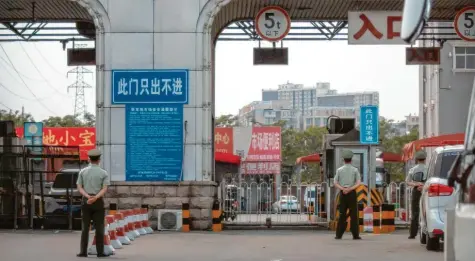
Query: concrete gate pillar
x=158 y=34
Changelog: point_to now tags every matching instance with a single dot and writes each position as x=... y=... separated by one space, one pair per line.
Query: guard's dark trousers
x=96 y=213
x=348 y=201
x=416 y=196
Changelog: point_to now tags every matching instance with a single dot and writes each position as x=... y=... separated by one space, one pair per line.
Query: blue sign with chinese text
x=369 y=124
x=33 y=135
x=150 y=86
x=154 y=142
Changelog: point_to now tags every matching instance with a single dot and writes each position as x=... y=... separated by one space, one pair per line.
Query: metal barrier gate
x=253 y=201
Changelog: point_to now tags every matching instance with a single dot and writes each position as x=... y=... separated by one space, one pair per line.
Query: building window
x=318 y=122
x=309 y=121
x=464 y=58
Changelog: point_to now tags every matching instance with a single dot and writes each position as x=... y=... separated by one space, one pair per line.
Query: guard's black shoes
x=81 y=255
x=357 y=238
x=103 y=255
x=337 y=238
x=411 y=237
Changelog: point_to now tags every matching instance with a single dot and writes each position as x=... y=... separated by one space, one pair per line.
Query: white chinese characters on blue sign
x=369 y=124
x=150 y=86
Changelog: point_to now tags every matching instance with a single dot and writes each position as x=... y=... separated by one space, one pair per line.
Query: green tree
x=395 y=144
x=228 y=120
x=17 y=117
x=296 y=144
x=70 y=121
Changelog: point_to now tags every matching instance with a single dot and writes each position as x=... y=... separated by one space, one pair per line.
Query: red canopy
x=392 y=157
x=309 y=158
x=227 y=158
x=442 y=140
x=387 y=157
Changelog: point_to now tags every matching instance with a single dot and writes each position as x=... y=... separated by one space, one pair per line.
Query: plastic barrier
x=110 y=219
x=108 y=248
x=216 y=212
x=138 y=219
x=130 y=225
x=145 y=221
x=121 y=229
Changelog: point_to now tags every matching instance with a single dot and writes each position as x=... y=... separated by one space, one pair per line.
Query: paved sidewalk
x=227 y=245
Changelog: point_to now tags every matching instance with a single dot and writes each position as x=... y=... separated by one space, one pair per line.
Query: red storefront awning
x=227 y=158
x=442 y=140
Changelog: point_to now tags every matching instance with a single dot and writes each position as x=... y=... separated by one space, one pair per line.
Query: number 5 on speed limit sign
x=464 y=23
x=272 y=23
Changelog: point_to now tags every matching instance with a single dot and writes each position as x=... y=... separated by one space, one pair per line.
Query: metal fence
x=248 y=201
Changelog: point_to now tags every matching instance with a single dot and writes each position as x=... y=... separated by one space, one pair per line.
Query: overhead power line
x=46 y=61
x=26 y=85
x=3 y=104
x=39 y=72
x=18 y=95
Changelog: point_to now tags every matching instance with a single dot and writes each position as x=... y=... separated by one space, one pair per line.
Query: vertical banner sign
x=464 y=23
x=154 y=140
x=369 y=125
x=33 y=134
x=154 y=121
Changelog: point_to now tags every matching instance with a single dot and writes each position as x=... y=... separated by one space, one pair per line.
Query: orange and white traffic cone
x=131 y=223
x=120 y=229
x=138 y=221
x=145 y=221
x=108 y=248
x=113 y=232
x=126 y=225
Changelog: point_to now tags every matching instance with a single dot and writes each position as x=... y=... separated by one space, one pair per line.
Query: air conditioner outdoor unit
x=169 y=219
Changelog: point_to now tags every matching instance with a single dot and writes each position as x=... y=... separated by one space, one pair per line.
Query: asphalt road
x=227 y=245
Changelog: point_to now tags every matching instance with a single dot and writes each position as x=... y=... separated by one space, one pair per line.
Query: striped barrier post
x=376 y=220
x=112 y=209
x=376 y=197
x=186 y=221
x=361 y=217
x=387 y=219
x=216 y=214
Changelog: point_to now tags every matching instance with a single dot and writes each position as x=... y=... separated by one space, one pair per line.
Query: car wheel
x=422 y=237
x=433 y=243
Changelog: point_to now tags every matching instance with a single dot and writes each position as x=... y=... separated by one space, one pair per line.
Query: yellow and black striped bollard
x=186 y=221
x=216 y=214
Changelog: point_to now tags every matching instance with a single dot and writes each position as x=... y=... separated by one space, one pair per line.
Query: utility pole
x=79 y=85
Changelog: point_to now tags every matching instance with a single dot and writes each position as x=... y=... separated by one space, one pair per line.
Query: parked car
x=437 y=196
x=286 y=203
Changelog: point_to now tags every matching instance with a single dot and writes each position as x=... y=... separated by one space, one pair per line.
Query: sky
x=42 y=87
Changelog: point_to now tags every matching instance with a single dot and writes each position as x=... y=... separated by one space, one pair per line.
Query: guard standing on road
x=416 y=191
x=92 y=184
x=347 y=179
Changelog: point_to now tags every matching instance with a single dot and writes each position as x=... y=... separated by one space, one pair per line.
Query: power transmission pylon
x=79 y=85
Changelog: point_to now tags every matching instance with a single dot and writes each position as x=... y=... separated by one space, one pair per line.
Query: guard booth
x=364 y=157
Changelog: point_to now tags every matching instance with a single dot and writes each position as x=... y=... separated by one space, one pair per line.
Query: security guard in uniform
x=347 y=179
x=416 y=191
x=92 y=184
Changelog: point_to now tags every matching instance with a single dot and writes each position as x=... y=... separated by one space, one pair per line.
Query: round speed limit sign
x=272 y=23
x=464 y=23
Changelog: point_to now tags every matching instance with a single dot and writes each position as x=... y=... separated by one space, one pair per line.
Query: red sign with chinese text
x=253 y=168
x=85 y=138
x=422 y=55
x=223 y=140
x=374 y=27
x=265 y=144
